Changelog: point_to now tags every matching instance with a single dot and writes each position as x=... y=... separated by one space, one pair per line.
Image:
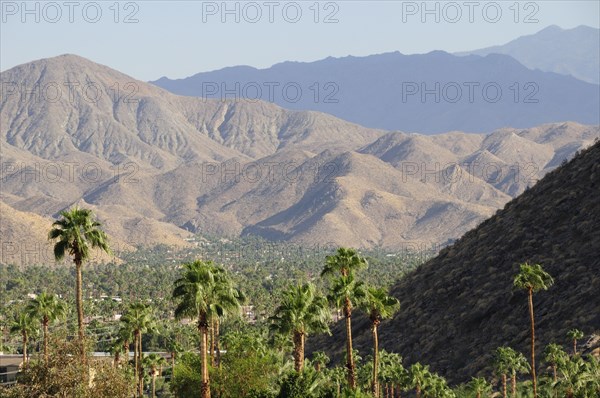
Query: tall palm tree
x=47 y=308
x=344 y=291
x=345 y=263
x=302 y=311
x=532 y=278
x=139 y=319
x=378 y=305
x=152 y=363
x=203 y=291
x=77 y=233
x=24 y=325
x=555 y=356
x=418 y=376
x=574 y=335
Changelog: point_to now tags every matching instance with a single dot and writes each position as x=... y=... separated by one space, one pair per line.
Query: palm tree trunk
x=212 y=343
x=117 y=357
x=24 y=348
x=126 y=349
x=349 y=354
x=574 y=346
x=172 y=365
x=203 y=329
x=504 y=385
x=391 y=390
x=375 y=358
x=79 y=302
x=45 y=327
x=513 y=384
x=554 y=370
x=153 y=384
x=217 y=345
x=533 y=376
x=135 y=358
x=298 y=351
x=140 y=372
x=418 y=391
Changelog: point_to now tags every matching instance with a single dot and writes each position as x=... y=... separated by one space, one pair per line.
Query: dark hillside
x=461 y=305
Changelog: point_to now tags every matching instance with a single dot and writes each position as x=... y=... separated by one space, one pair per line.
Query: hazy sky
x=150 y=39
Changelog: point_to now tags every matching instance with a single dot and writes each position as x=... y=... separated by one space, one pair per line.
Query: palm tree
x=153 y=362
x=478 y=386
x=204 y=291
x=532 y=278
x=378 y=305
x=437 y=387
x=138 y=319
x=345 y=263
x=502 y=361
x=574 y=335
x=173 y=348
x=24 y=325
x=418 y=376
x=116 y=349
x=48 y=308
x=302 y=311
x=225 y=309
x=517 y=363
x=344 y=291
x=319 y=360
x=392 y=374
x=125 y=336
x=77 y=232
x=555 y=356
x=574 y=378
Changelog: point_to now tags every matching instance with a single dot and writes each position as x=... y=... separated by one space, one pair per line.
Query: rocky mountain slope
x=158 y=167
x=457 y=308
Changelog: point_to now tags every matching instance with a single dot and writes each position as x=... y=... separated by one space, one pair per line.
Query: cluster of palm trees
x=303 y=310
x=40 y=311
x=206 y=294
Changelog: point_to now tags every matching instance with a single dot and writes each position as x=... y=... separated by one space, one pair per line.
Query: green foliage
x=306 y=384
x=77 y=232
x=62 y=377
x=533 y=277
x=186 y=381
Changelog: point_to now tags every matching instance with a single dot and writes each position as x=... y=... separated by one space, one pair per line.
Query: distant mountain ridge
x=393 y=91
x=158 y=168
x=574 y=52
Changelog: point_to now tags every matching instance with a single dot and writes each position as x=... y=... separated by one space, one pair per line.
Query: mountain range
x=523 y=84
x=157 y=167
x=460 y=306
x=574 y=52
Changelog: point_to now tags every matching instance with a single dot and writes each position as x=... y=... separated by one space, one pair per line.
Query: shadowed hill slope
x=461 y=305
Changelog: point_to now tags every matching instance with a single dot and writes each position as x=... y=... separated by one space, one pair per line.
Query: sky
x=151 y=39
